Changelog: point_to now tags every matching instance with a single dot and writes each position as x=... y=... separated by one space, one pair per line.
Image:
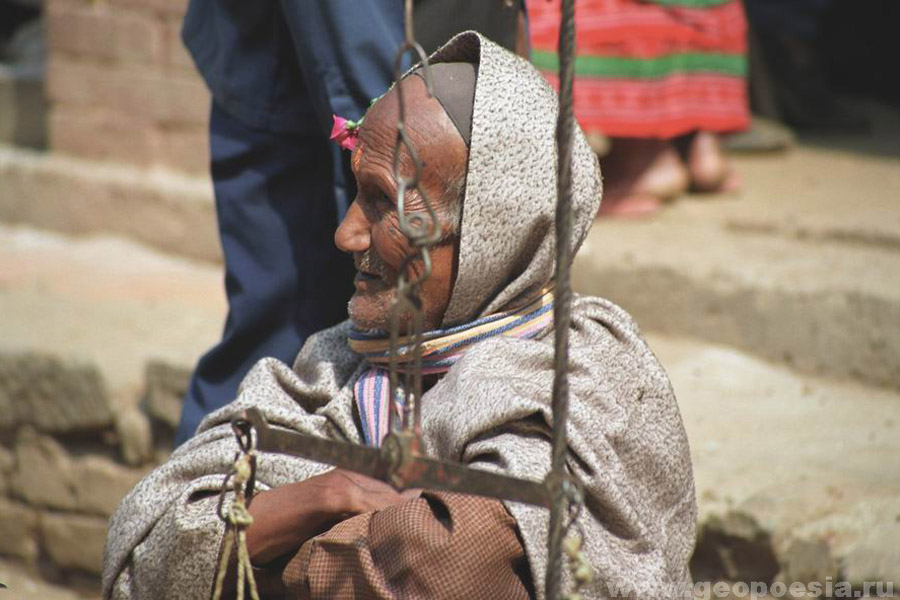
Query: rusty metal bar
x=397 y=462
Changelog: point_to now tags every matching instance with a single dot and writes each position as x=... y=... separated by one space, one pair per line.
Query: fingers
x=364 y=482
x=370 y=494
x=364 y=494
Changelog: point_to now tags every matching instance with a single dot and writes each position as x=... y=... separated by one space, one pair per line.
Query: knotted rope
x=237 y=519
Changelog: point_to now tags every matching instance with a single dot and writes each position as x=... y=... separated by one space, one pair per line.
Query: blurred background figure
x=789 y=82
x=276 y=77
x=660 y=79
x=22 y=103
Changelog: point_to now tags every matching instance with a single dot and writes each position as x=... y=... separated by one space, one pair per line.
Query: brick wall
x=121 y=85
x=69 y=452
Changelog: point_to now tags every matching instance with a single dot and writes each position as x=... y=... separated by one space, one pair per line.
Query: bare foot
x=638 y=174
x=643 y=167
x=633 y=206
x=708 y=166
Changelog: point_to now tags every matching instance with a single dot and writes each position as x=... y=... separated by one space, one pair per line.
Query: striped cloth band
x=441 y=348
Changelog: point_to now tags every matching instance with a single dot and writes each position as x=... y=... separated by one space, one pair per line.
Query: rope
x=237 y=520
x=562 y=313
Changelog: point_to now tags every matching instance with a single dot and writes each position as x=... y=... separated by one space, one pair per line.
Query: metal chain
x=240 y=480
x=422 y=229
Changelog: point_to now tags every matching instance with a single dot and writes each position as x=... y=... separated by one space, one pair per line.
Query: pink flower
x=344 y=132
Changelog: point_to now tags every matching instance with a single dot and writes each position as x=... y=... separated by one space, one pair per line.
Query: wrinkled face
x=370 y=230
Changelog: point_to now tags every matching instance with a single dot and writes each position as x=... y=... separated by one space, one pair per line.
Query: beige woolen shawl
x=491 y=410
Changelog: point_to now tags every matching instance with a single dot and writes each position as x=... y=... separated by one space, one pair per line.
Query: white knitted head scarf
x=507 y=237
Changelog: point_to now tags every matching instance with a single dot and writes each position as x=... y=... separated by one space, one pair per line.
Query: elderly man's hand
x=363 y=494
x=285 y=517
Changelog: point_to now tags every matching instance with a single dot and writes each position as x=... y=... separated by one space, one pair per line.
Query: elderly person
x=487 y=139
x=277 y=71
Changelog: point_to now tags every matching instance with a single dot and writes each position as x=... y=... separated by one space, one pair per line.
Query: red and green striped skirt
x=651 y=68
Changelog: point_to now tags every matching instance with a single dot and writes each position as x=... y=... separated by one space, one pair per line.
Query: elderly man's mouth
x=364 y=281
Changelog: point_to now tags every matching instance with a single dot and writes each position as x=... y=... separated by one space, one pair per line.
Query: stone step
x=166 y=210
x=802 y=268
x=100 y=334
x=106 y=302
x=26 y=584
x=795 y=473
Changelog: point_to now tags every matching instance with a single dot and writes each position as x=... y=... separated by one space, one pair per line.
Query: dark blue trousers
x=277 y=212
x=277 y=70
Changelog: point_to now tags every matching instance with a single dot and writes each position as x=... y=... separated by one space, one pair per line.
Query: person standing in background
x=277 y=71
x=660 y=78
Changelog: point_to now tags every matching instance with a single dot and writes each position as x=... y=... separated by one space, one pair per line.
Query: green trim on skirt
x=647 y=68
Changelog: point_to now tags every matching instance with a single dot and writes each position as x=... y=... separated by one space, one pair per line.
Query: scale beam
x=397 y=462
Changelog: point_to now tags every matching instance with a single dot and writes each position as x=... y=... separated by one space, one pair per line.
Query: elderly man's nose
x=354 y=234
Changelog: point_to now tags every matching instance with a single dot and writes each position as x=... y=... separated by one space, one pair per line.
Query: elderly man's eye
x=384 y=201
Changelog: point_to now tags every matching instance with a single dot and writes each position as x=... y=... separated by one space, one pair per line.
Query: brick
x=140 y=39
x=103 y=135
x=164 y=9
x=176 y=54
x=88 y=29
x=54 y=4
x=152 y=93
x=74 y=541
x=135 y=436
x=43 y=474
x=7 y=463
x=185 y=149
x=18 y=529
x=181 y=100
x=98 y=31
x=164 y=396
x=100 y=484
x=85 y=83
x=52 y=394
x=167 y=8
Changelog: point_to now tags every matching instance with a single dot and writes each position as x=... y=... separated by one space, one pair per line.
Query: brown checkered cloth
x=437 y=546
